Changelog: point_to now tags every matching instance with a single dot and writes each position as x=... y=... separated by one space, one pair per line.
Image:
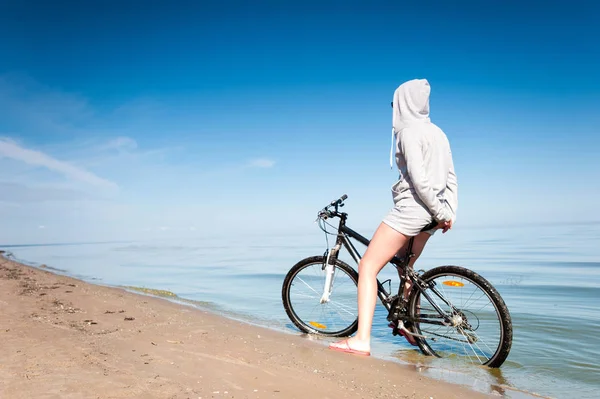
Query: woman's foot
x=352 y=345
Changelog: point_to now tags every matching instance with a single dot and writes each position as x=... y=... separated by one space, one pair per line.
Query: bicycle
x=415 y=314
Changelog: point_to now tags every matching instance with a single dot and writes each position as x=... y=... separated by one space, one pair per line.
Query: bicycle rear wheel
x=480 y=330
x=302 y=293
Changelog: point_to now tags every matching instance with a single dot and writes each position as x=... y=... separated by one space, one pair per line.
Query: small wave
x=151 y=291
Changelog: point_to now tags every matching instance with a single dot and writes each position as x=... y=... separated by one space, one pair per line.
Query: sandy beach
x=64 y=338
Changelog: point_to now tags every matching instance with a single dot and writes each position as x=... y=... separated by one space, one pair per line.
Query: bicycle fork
x=329 y=268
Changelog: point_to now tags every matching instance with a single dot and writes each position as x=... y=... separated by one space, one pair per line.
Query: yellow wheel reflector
x=317 y=325
x=452 y=283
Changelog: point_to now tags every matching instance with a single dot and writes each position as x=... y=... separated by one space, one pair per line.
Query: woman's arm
x=452 y=189
x=411 y=147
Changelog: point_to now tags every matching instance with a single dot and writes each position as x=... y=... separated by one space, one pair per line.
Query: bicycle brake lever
x=321 y=215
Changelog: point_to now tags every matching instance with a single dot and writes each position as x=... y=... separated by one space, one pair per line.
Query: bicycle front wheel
x=310 y=308
x=474 y=323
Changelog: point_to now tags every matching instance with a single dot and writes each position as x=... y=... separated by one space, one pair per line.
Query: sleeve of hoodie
x=452 y=189
x=411 y=148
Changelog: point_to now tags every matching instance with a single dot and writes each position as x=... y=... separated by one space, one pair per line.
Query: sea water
x=548 y=275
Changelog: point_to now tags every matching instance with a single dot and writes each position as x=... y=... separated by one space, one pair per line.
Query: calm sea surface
x=549 y=276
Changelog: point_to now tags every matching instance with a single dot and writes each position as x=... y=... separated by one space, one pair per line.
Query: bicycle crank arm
x=402 y=328
x=411 y=333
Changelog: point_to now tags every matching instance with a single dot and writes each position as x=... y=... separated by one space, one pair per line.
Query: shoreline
x=69 y=336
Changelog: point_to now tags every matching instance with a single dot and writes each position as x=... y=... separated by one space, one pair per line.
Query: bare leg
x=385 y=244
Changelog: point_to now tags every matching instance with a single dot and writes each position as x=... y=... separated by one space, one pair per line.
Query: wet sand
x=64 y=338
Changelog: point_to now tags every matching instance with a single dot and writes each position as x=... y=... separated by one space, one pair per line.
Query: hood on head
x=411 y=103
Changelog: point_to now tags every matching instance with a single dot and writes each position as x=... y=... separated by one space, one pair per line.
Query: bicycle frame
x=344 y=235
x=401 y=263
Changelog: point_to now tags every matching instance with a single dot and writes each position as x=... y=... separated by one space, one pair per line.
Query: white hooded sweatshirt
x=422 y=153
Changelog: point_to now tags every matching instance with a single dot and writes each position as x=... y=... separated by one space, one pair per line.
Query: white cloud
x=261 y=163
x=122 y=144
x=12 y=150
x=18 y=193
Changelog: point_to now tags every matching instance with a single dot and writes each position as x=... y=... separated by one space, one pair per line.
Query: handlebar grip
x=338 y=201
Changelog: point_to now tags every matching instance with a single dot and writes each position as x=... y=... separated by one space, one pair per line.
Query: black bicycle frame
x=343 y=238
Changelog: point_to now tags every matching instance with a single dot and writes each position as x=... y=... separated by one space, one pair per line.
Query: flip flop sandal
x=347 y=349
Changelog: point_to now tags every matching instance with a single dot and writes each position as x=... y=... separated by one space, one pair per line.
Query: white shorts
x=409 y=215
x=409 y=219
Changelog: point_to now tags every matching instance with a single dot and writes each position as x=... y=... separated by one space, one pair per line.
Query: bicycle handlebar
x=325 y=212
x=339 y=200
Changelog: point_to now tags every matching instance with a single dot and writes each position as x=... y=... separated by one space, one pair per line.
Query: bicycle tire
x=504 y=316
x=285 y=296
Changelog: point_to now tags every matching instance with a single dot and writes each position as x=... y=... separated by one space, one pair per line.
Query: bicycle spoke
x=308 y=296
x=342 y=307
x=483 y=307
x=311 y=288
x=467 y=341
x=482 y=341
x=350 y=313
x=472 y=293
x=482 y=295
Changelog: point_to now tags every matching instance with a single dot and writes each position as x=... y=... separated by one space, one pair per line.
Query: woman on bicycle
x=426 y=190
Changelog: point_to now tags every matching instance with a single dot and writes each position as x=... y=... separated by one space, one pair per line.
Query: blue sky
x=134 y=119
